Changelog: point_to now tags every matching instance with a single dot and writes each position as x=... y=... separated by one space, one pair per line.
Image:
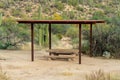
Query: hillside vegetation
x=105 y=37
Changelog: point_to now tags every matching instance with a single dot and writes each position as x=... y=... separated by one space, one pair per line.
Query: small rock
x=106 y=54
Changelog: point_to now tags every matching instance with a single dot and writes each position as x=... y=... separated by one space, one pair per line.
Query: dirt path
x=19 y=67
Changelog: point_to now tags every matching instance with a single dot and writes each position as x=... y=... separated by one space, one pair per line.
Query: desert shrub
x=59 y=5
x=59 y=36
x=73 y=3
x=64 y=1
x=2 y=5
x=57 y=16
x=113 y=40
x=109 y=10
x=28 y=8
x=11 y=35
x=46 y=10
x=101 y=75
x=59 y=29
x=55 y=39
x=42 y=1
x=75 y=42
x=85 y=47
x=80 y=8
x=17 y=12
x=72 y=15
x=98 y=75
x=105 y=38
x=98 y=15
x=72 y=32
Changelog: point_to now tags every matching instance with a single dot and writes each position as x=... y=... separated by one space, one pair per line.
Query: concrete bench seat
x=63 y=51
x=65 y=57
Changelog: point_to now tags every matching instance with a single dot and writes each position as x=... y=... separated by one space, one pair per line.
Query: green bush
x=85 y=46
x=75 y=43
x=99 y=15
x=55 y=39
x=80 y=8
x=60 y=28
x=17 y=12
x=72 y=15
x=105 y=38
x=59 y=5
x=73 y=3
x=72 y=32
x=59 y=36
x=11 y=35
x=3 y=5
x=28 y=8
x=46 y=10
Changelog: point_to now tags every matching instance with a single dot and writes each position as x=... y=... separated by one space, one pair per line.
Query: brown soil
x=18 y=66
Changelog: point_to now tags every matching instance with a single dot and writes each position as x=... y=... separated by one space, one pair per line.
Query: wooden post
x=49 y=37
x=32 y=42
x=80 y=43
x=90 y=54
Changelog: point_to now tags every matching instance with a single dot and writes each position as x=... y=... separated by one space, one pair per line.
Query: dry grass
x=3 y=75
x=101 y=75
x=67 y=74
x=98 y=75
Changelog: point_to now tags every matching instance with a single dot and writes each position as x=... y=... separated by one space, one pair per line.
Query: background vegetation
x=105 y=38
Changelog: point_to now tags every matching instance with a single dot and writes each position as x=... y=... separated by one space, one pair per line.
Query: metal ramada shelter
x=80 y=22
